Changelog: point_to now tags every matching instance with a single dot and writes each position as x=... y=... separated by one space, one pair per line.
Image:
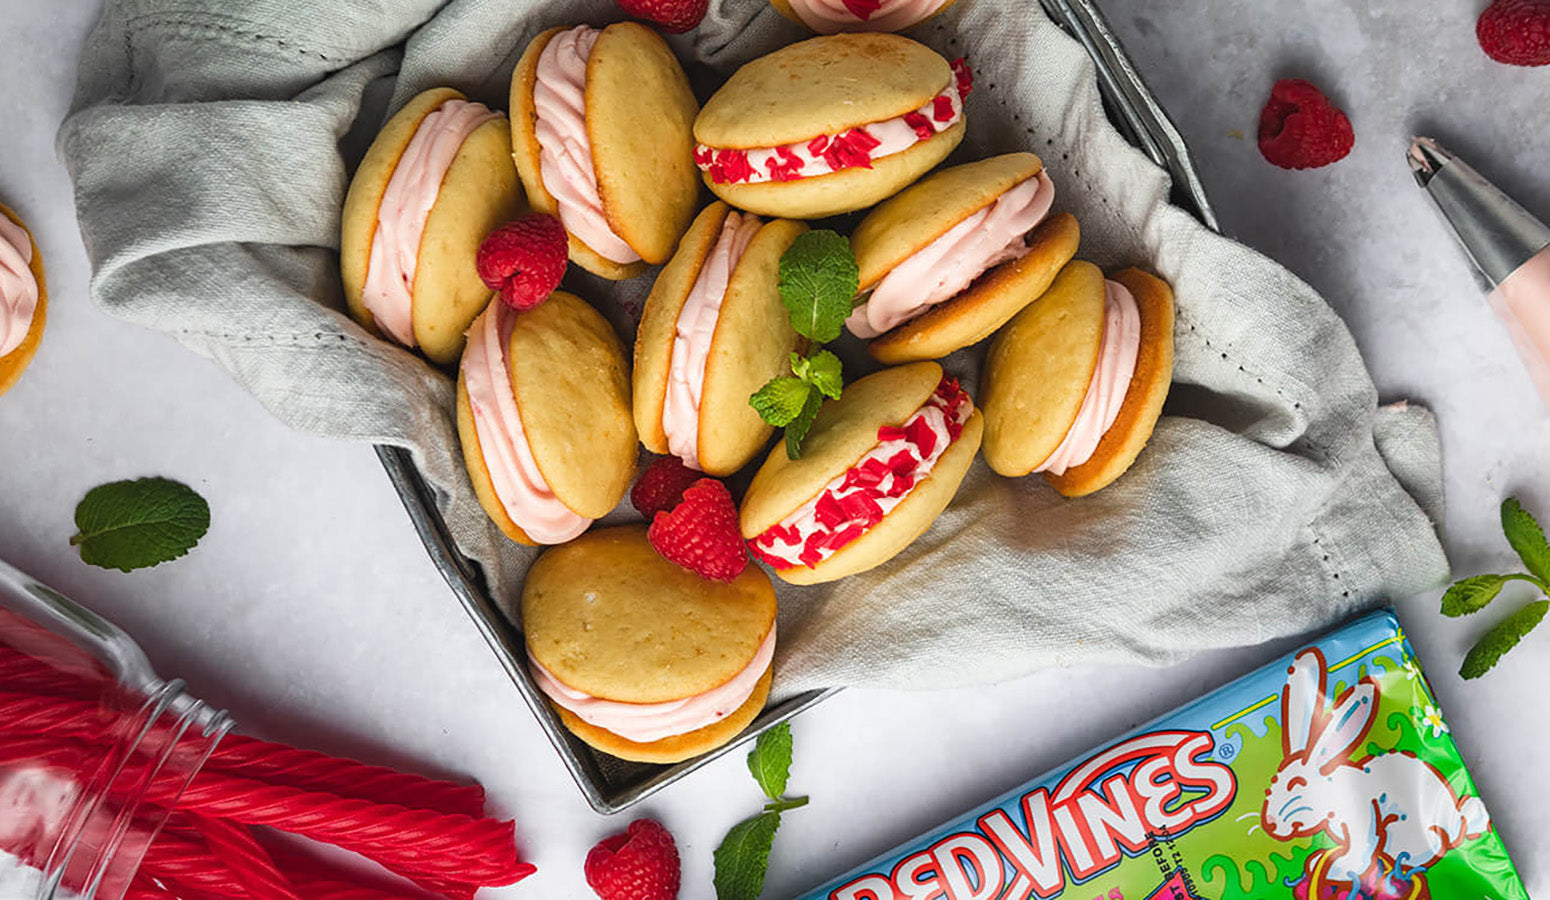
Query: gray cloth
x=211 y=144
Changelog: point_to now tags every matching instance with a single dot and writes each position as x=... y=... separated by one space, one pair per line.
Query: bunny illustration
x=1391 y=805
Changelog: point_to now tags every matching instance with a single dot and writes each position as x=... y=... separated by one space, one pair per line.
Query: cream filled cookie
x=23 y=298
x=1074 y=384
x=713 y=331
x=543 y=413
x=600 y=131
x=436 y=180
x=951 y=258
x=877 y=468
x=642 y=658
x=831 y=16
x=830 y=125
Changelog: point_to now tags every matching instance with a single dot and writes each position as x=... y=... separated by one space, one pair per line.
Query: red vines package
x=1327 y=775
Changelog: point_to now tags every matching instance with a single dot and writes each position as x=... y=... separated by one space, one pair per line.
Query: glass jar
x=94 y=748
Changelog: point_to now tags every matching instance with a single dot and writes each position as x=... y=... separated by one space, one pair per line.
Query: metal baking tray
x=610 y=784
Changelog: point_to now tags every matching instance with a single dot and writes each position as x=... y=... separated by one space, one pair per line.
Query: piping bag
x=1508 y=245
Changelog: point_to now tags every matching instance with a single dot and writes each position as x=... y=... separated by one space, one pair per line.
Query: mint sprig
x=743 y=857
x=129 y=525
x=1505 y=635
x=818 y=281
x=1472 y=594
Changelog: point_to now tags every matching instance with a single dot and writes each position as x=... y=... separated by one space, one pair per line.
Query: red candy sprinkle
x=921 y=435
x=863 y=9
x=817 y=145
x=962 y=77
x=942 y=109
x=920 y=123
x=703 y=156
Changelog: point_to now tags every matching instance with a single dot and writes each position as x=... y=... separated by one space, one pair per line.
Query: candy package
x=1326 y=775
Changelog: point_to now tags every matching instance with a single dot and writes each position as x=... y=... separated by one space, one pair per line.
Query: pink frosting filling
x=830 y=16
x=18 y=289
x=696 y=327
x=852 y=503
x=943 y=268
x=1110 y=382
x=406 y=204
x=831 y=153
x=565 y=149
x=519 y=485
x=647 y=722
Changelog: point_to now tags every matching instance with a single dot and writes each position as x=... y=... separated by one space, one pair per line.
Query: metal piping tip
x=1425 y=157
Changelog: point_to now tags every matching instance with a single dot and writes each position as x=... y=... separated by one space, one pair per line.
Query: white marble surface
x=312 y=613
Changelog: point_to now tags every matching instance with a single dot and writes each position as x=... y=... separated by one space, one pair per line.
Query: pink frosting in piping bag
x=565 y=149
x=18 y=289
x=518 y=483
x=830 y=16
x=943 y=268
x=696 y=327
x=647 y=722
x=406 y=204
x=1110 y=382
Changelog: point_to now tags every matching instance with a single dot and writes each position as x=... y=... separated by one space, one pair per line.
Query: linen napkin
x=211 y=144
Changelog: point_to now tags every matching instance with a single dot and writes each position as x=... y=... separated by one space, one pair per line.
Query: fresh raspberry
x=1300 y=129
x=1516 y=32
x=523 y=260
x=661 y=487
x=672 y=16
x=701 y=533
x=641 y=864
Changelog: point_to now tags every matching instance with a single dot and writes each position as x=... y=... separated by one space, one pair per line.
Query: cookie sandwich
x=877 y=468
x=830 y=125
x=831 y=16
x=713 y=331
x=1073 y=385
x=951 y=258
x=641 y=658
x=23 y=298
x=543 y=413
x=600 y=131
x=436 y=179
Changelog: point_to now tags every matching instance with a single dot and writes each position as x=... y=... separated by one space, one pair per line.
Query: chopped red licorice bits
x=730 y=167
x=863 y=9
x=788 y=167
x=920 y=123
x=853 y=503
x=963 y=77
x=851 y=149
x=942 y=108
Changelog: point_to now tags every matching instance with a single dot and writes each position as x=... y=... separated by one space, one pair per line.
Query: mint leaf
x=129 y=525
x=796 y=429
x=1472 y=594
x=1527 y=538
x=822 y=370
x=781 y=399
x=744 y=856
x=818 y=280
x=1494 y=644
x=770 y=760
